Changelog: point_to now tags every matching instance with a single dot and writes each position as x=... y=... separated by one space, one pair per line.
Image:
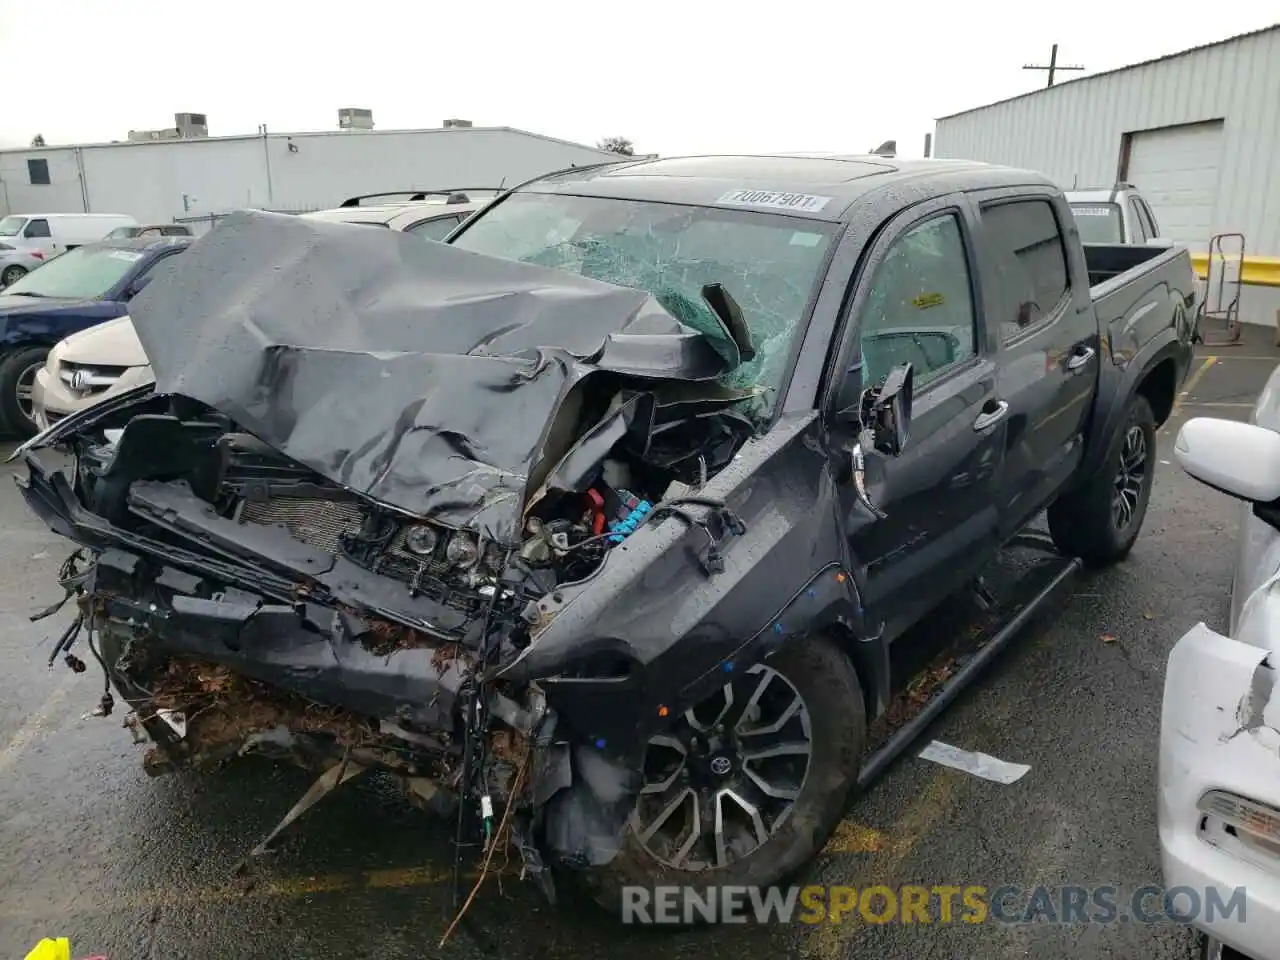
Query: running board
x=876 y=763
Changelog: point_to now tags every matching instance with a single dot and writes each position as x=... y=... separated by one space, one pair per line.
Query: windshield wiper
x=28 y=293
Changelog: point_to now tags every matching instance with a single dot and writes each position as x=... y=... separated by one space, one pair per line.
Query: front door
x=1050 y=352
x=939 y=521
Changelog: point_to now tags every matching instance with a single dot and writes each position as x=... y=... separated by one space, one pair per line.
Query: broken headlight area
x=242 y=603
x=183 y=476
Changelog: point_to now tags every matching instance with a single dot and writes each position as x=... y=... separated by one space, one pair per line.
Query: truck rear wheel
x=745 y=788
x=1100 y=521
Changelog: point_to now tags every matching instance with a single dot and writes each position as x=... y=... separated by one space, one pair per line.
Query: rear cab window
x=1027 y=235
x=1099 y=222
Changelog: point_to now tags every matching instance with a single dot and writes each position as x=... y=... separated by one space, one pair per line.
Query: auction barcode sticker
x=775 y=200
x=1091 y=211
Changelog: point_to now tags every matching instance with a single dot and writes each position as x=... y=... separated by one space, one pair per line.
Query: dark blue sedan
x=80 y=289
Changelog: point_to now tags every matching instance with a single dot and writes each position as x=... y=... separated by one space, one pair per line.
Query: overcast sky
x=673 y=76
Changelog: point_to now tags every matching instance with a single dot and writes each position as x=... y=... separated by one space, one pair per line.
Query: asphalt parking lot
x=135 y=867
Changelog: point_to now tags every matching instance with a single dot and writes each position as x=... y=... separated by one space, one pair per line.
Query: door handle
x=1079 y=359
x=988 y=417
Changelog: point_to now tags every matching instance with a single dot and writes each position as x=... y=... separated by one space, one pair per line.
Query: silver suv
x=425 y=213
x=1118 y=214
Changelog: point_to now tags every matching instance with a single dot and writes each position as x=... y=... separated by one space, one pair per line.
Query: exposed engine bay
x=337 y=555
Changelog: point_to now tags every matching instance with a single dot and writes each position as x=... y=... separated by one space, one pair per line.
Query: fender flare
x=1113 y=402
x=828 y=603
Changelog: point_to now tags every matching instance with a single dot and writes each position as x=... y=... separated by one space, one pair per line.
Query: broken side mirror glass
x=881 y=418
x=886 y=411
x=881 y=414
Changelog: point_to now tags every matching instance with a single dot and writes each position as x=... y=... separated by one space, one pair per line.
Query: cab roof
x=816 y=186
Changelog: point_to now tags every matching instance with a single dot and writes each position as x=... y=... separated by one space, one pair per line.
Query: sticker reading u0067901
x=775 y=200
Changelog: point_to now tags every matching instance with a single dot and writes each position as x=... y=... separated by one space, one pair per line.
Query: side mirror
x=886 y=410
x=1239 y=459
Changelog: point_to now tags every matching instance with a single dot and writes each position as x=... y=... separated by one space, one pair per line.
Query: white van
x=46 y=235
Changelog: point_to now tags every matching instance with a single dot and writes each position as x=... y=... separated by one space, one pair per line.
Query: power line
x=1053 y=66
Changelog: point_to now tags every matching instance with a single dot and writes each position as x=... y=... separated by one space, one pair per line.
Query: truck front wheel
x=745 y=788
x=1100 y=521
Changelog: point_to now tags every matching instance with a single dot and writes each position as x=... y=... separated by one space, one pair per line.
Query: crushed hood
x=430 y=378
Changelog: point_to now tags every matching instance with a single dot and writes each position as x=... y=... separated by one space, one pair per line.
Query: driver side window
x=920 y=308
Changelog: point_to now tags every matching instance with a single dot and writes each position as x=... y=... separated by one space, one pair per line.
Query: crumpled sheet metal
x=424 y=376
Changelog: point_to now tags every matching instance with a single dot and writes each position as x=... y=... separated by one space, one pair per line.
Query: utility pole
x=1053 y=66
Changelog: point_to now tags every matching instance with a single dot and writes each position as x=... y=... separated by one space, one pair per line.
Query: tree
x=617 y=145
x=38 y=140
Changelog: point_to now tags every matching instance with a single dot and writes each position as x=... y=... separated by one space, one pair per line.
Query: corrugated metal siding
x=218 y=175
x=1072 y=132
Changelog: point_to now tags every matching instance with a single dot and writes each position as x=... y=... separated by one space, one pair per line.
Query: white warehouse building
x=1197 y=132
x=197 y=178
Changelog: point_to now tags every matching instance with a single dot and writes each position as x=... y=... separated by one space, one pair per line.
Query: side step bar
x=877 y=762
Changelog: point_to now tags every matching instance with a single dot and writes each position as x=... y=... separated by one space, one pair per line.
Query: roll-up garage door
x=1176 y=169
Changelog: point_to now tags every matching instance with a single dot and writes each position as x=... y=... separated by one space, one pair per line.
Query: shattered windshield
x=769 y=263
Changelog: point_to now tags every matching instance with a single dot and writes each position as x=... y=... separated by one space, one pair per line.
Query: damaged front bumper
x=218 y=655
x=1219 y=755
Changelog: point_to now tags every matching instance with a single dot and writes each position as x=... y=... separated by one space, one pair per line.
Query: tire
x=12 y=274
x=827 y=685
x=1088 y=523
x=16 y=369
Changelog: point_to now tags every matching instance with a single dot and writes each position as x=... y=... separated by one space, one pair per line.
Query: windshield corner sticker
x=1091 y=211
x=775 y=200
x=127 y=255
x=802 y=239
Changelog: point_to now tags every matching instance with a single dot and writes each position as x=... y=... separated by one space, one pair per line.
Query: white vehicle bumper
x=1220 y=730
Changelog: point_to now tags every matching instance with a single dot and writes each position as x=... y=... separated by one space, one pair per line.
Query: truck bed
x=1127 y=280
x=1108 y=260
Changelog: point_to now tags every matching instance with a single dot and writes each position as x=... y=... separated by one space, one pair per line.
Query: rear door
x=1048 y=348
x=919 y=301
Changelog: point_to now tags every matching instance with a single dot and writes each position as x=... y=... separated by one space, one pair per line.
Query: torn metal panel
x=322 y=654
x=586 y=823
x=426 y=377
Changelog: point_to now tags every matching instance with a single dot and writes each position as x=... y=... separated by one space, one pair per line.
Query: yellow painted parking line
x=830 y=941
x=1193 y=380
x=39 y=722
x=852 y=837
x=410 y=877
x=246 y=888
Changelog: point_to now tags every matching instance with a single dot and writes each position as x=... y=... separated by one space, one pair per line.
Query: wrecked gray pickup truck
x=595 y=523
